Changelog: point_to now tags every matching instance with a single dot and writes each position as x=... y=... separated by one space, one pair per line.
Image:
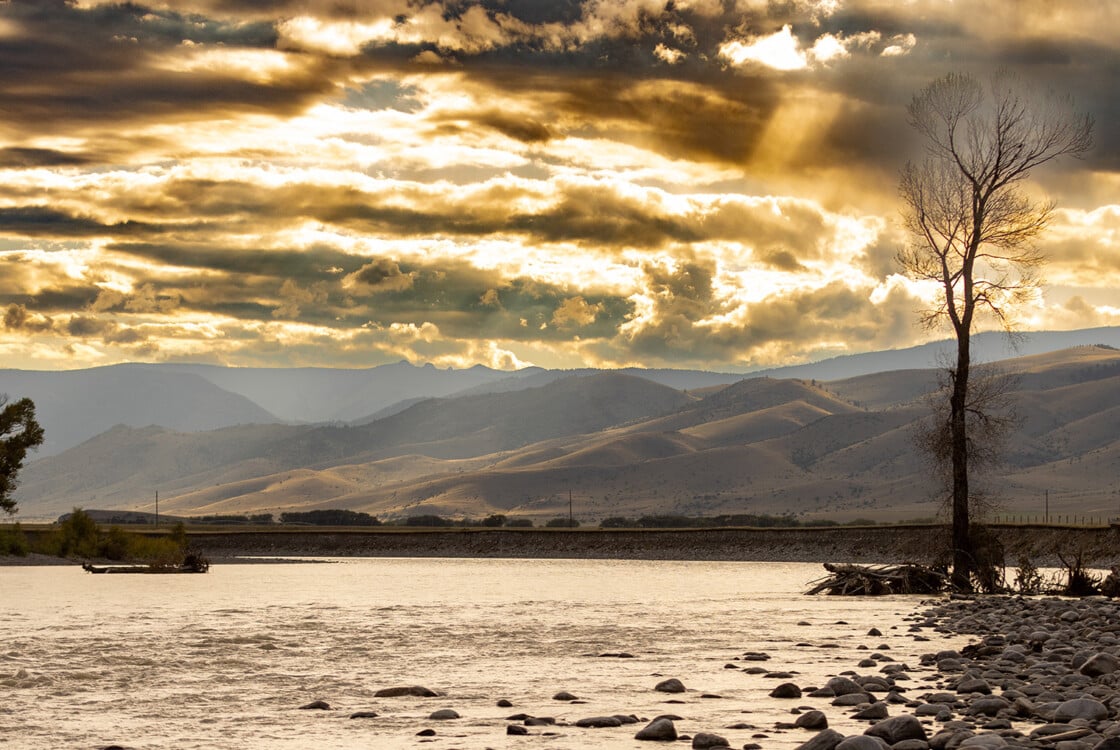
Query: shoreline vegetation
x=921 y=544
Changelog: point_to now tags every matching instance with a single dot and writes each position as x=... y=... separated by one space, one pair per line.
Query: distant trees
x=19 y=433
x=972 y=228
x=329 y=517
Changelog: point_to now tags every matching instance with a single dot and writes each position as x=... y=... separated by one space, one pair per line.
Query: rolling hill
x=622 y=445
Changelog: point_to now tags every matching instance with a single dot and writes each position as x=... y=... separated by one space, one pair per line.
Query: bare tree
x=973 y=227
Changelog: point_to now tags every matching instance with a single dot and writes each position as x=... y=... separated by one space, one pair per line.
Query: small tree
x=19 y=432
x=973 y=228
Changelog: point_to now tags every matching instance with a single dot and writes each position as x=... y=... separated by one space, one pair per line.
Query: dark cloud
x=41 y=221
x=20 y=157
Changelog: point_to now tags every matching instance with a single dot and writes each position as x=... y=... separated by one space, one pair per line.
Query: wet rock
x=826 y=740
x=862 y=742
x=843 y=686
x=597 y=722
x=897 y=729
x=444 y=714
x=503 y=703
x=988 y=706
x=316 y=706
x=426 y=733
x=811 y=720
x=659 y=730
x=983 y=741
x=1081 y=708
x=564 y=695
x=786 y=690
x=1100 y=664
x=974 y=685
x=364 y=715
x=851 y=699
x=704 y=740
x=671 y=685
x=874 y=712
x=539 y=721
x=515 y=729
x=413 y=690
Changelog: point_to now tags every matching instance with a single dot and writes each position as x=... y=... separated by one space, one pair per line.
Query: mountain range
x=401 y=440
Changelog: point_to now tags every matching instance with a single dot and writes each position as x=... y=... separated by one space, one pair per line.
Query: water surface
x=224 y=660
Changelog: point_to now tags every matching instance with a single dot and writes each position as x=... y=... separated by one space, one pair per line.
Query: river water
x=224 y=660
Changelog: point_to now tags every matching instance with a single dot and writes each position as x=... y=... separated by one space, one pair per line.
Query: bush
x=13 y=541
x=495 y=520
x=617 y=522
x=328 y=517
x=562 y=522
x=427 y=520
x=519 y=523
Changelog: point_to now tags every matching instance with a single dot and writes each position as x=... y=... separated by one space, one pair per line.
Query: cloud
x=575 y=312
x=381 y=275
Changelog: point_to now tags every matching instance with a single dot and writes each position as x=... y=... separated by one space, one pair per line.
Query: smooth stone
x=426 y=733
x=658 y=730
x=564 y=695
x=874 y=632
x=1081 y=708
x=851 y=699
x=897 y=729
x=539 y=721
x=414 y=690
x=671 y=685
x=863 y=742
x=843 y=686
x=444 y=714
x=364 y=715
x=910 y=745
x=514 y=729
x=825 y=740
x=316 y=705
x=503 y=703
x=704 y=740
x=786 y=690
x=989 y=706
x=984 y=741
x=812 y=720
x=599 y=722
x=974 y=685
x=874 y=712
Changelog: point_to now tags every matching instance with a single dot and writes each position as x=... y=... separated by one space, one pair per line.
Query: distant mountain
x=73 y=406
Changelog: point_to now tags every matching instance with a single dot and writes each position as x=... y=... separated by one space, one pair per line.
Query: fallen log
x=879 y=580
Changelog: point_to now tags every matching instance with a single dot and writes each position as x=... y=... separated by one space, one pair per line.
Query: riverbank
x=919 y=544
x=1099 y=547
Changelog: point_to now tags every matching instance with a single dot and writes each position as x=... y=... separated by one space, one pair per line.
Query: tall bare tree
x=973 y=226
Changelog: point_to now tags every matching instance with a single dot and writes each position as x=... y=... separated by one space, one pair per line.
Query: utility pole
x=1047 y=506
x=571 y=519
x=157 y=509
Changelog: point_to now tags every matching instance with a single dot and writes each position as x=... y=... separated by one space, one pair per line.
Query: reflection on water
x=224 y=660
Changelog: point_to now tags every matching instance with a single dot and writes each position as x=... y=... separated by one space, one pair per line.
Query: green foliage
x=78 y=535
x=329 y=517
x=13 y=541
x=19 y=432
x=562 y=522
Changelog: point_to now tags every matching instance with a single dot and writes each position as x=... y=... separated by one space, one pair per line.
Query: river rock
x=704 y=740
x=843 y=686
x=897 y=729
x=515 y=729
x=426 y=733
x=444 y=714
x=811 y=720
x=564 y=695
x=504 y=703
x=414 y=690
x=826 y=740
x=983 y=741
x=786 y=690
x=874 y=712
x=316 y=706
x=659 y=730
x=862 y=742
x=599 y=722
x=671 y=685
x=1081 y=708
x=1100 y=664
x=364 y=715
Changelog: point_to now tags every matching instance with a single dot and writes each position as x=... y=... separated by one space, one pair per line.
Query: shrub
x=617 y=522
x=13 y=541
x=519 y=523
x=562 y=522
x=495 y=520
x=427 y=520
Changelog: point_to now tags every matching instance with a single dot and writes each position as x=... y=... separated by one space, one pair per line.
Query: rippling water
x=224 y=660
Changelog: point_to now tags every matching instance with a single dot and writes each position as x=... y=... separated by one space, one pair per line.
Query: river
x=225 y=660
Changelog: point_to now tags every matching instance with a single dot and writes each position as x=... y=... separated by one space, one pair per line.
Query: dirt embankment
x=922 y=544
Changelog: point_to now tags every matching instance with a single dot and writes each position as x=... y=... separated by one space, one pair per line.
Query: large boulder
x=826 y=740
x=705 y=740
x=597 y=722
x=1100 y=664
x=811 y=720
x=671 y=685
x=863 y=742
x=897 y=729
x=1081 y=708
x=660 y=729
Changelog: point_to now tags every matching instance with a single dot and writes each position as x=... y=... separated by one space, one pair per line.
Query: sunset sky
x=563 y=183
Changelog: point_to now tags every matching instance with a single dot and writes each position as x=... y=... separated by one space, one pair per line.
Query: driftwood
x=877 y=580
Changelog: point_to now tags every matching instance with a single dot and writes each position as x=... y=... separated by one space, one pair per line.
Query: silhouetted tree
x=19 y=432
x=973 y=227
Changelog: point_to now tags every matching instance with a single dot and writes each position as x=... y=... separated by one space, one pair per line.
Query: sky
x=563 y=183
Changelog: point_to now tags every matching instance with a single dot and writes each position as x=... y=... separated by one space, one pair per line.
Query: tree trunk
x=958 y=432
